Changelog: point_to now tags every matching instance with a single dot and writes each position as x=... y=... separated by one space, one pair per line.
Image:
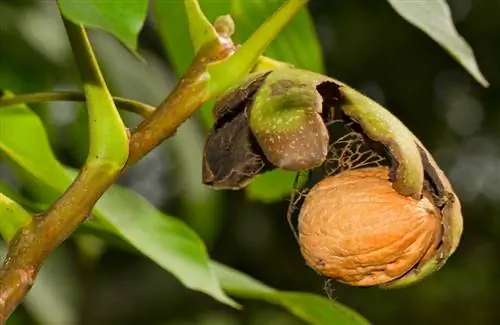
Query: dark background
x=367 y=45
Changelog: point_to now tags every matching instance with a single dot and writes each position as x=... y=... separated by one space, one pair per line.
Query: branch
x=108 y=152
x=126 y=104
x=217 y=66
x=107 y=156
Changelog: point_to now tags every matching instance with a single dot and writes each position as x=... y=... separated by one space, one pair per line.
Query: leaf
x=23 y=139
x=108 y=140
x=173 y=28
x=297 y=43
x=55 y=296
x=201 y=31
x=123 y=206
x=172 y=24
x=200 y=204
x=271 y=186
x=433 y=17
x=122 y=19
x=289 y=45
x=165 y=240
x=309 y=307
x=12 y=217
x=312 y=308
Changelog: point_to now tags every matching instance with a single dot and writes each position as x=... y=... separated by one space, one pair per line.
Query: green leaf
x=123 y=206
x=165 y=240
x=12 y=217
x=200 y=29
x=289 y=45
x=55 y=296
x=122 y=19
x=108 y=143
x=271 y=186
x=433 y=17
x=312 y=308
x=173 y=28
x=297 y=43
x=225 y=73
x=23 y=139
x=200 y=204
x=172 y=24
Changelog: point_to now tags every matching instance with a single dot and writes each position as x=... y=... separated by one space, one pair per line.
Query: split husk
x=281 y=119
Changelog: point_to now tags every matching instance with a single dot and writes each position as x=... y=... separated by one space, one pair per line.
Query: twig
x=189 y=94
x=108 y=152
x=32 y=244
x=72 y=96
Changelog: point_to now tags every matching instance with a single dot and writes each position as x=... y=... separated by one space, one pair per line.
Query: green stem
x=189 y=94
x=33 y=243
x=108 y=153
x=73 y=96
x=30 y=246
x=227 y=72
x=108 y=140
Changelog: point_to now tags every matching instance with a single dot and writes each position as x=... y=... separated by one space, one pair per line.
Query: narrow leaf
x=312 y=308
x=122 y=206
x=200 y=29
x=55 y=296
x=223 y=74
x=172 y=23
x=23 y=139
x=297 y=43
x=124 y=20
x=167 y=241
x=12 y=217
x=433 y=17
x=108 y=139
x=271 y=186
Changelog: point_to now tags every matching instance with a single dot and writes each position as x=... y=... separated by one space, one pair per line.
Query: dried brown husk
x=231 y=156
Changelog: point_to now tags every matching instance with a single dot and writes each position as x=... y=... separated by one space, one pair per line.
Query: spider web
x=349 y=151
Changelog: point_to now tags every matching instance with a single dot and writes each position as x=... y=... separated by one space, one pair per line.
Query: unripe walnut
x=355 y=228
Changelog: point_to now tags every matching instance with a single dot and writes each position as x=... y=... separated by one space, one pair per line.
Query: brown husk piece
x=231 y=156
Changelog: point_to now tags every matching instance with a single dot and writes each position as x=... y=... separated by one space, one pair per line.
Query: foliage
x=122 y=218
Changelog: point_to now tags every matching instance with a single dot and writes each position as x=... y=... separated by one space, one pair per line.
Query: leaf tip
x=482 y=81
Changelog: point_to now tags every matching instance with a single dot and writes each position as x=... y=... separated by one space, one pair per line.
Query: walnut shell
x=355 y=228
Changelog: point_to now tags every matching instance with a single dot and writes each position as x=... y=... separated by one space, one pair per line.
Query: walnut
x=355 y=228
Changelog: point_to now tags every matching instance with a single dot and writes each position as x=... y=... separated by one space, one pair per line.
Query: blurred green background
x=365 y=44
